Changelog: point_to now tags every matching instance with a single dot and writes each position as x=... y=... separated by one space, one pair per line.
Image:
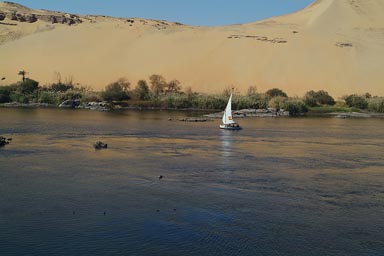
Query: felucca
x=228 y=122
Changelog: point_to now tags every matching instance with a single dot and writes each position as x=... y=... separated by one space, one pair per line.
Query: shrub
x=5 y=94
x=169 y=101
x=183 y=101
x=376 y=104
x=23 y=92
x=323 y=98
x=28 y=86
x=60 y=87
x=91 y=96
x=211 y=102
x=259 y=101
x=295 y=107
x=310 y=99
x=116 y=91
x=356 y=101
x=314 y=99
x=276 y=92
x=277 y=102
x=74 y=94
x=341 y=104
x=49 y=97
x=17 y=96
x=241 y=102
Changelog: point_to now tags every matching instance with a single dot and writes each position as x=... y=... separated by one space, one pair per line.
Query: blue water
x=280 y=186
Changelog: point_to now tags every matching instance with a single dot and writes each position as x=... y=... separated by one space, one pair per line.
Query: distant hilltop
x=19 y=13
x=332 y=45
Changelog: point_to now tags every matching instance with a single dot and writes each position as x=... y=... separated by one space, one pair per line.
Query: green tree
x=310 y=98
x=276 y=92
x=321 y=97
x=116 y=91
x=324 y=98
x=173 y=86
x=142 y=90
x=356 y=101
x=158 y=84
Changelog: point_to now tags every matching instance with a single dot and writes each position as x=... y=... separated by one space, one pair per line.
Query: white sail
x=227 y=117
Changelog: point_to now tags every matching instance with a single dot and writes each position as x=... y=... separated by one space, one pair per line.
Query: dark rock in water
x=70 y=104
x=4 y=141
x=193 y=119
x=160 y=177
x=100 y=145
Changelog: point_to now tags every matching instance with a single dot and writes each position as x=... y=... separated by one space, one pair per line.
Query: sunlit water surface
x=284 y=186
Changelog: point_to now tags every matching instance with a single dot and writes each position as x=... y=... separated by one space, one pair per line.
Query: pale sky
x=191 y=12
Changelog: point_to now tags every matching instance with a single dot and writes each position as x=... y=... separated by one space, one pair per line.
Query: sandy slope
x=336 y=45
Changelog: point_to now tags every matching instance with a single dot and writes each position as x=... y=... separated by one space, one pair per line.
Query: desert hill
x=335 y=45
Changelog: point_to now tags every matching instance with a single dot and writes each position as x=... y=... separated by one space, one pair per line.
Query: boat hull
x=232 y=127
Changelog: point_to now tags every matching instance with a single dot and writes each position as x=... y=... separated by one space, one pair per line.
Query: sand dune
x=335 y=45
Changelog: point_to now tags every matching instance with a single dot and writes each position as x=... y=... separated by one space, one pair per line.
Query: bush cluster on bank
x=159 y=93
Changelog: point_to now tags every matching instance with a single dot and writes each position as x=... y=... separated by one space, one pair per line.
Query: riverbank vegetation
x=160 y=94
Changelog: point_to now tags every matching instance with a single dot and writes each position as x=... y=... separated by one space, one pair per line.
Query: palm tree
x=22 y=73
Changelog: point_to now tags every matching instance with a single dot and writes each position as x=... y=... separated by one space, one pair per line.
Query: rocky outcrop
x=27 y=17
x=60 y=19
x=16 y=12
x=15 y=16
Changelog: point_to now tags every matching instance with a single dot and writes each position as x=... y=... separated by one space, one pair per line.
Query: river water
x=280 y=186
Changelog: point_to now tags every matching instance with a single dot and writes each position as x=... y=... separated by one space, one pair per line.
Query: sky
x=189 y=12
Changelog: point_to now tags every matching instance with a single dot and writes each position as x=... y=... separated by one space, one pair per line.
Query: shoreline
x=243 y=113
